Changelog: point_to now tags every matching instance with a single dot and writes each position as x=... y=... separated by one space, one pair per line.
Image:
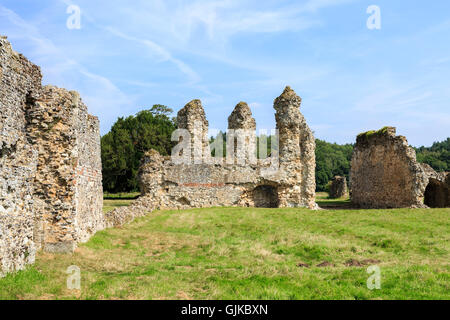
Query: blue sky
x=131 y=55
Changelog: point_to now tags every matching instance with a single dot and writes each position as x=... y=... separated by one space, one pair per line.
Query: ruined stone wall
x=88 y=186
x=250 y=183
x=437 y=192
x=68 y=187
x=338 y=188
x=384 y=172
x=296 y=152
x=202 y=185
x=50 y=171
x=20 y=82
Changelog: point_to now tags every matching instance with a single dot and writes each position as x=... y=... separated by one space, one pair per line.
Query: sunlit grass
x=247 y=253
x=109 y=205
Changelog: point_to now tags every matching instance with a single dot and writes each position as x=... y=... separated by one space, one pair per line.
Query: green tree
x=331 y=160
x=123 y=147
x=437 y=156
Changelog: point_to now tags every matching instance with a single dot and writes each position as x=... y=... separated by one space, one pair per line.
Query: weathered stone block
x=384 y=172
x=338 y=188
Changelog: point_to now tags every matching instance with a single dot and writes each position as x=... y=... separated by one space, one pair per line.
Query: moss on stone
x=371 y=133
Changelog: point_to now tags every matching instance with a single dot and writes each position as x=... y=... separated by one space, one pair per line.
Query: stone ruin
x=338 y=188
x=50 y=167
x=240 y=180
x=51 y=182
x=385 y=174
x=437 y=192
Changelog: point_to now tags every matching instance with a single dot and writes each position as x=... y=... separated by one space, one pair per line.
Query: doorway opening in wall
x=265 y=197
x=436 y=194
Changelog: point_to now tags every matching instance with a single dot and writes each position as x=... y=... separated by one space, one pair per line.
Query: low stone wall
x=384 y=172
x=50 y=167
x=205 y=185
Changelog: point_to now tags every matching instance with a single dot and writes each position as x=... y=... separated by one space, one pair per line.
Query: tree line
x=437 y=156
x=129 y=138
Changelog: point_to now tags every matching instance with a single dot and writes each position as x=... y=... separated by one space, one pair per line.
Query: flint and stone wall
x=384 y=172
x=288 y=183
x=50 y=167
x=437 y=193
x=338 y=188
x=20 y=82
x=68 y=191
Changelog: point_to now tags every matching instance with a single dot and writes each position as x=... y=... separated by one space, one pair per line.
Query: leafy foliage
x=128 y=140
x=331 y=160
x=437 y=156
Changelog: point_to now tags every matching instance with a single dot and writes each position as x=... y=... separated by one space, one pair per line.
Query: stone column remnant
x=296 y=152
x=193 y=118
x=338 y=188
x=242 y=134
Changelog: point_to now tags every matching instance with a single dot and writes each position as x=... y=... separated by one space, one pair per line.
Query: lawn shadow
x=324 y=202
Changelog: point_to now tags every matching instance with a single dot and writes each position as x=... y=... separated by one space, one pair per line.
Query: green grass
x=323 y=200
x=247 y=253
x=109 y=205
x=121 y=195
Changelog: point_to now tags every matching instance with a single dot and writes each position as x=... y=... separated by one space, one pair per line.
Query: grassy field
x=109 y=205
x=247 y=253
x=114 y=200
x=326 y=203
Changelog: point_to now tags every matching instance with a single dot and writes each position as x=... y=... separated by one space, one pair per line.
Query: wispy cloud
x=222 y=51
x=159 y=53
x=99 y=92
x=181 y=22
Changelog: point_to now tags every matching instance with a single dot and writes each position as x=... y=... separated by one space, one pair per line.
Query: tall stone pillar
x=241 y=136
x=296 y=152
x=193 y=118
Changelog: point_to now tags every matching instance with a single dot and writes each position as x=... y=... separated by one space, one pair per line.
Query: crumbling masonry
x=437 y=192
x=338 y=187
x=50 y=167
x=243 y=182
x=385 y=174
